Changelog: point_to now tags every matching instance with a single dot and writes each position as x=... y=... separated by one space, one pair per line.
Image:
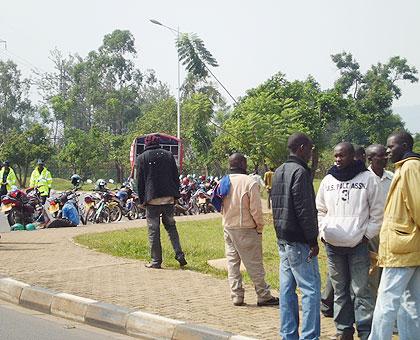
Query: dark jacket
x=157 y=173
x=293 y=198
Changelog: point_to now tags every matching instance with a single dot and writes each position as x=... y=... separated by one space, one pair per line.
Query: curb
x=108 y=316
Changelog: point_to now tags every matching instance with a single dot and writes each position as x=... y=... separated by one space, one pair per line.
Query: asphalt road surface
x=17 y=323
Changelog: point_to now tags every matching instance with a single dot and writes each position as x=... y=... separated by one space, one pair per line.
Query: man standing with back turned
x=399 y=246
x=296 y=224
x=158 y=186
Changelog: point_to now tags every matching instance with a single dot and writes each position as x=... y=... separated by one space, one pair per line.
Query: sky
x=251 y=40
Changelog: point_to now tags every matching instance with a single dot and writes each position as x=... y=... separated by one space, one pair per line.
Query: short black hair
x=359 y=150
x=296 y=140
x=372 y=149
x=403 y=137
x=236 y=160
x=347 y=146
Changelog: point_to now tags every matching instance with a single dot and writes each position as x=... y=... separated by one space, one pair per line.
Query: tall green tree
x=368 y=116
x=23 y=148
x=15 y=105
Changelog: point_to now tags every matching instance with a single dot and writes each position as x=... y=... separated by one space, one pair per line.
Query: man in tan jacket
x=243 y=225
x=399 y=246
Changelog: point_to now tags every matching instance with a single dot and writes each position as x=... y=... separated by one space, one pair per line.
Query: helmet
x=30 y=226
x=17 y=226
x=185 y=181
x=100 y=182
x=76 y=180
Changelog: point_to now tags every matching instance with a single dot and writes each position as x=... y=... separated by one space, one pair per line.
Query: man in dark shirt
x=158 y=187
x=296 y=224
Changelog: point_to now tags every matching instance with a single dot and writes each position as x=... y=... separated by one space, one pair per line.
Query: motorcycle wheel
x=115 y=213
x=133 y=213
x=104 y=216
x=90 y=216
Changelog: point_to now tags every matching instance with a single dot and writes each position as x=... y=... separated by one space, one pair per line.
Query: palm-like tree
x=196 y=58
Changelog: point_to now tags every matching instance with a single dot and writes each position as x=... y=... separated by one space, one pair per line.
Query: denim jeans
x=297 y=270
x=153 y=213
x=327 y=298
x=353 y=302
x=398 y=298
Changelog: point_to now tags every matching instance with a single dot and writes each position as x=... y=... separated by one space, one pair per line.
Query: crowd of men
x=365 y=217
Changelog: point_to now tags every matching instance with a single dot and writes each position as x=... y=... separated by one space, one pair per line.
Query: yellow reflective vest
x=10 y=180
x=42 y=181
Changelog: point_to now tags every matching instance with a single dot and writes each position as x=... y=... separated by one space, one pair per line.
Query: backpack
x=220 y=192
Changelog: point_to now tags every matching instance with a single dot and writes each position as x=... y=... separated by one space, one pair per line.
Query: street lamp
x=178 y=106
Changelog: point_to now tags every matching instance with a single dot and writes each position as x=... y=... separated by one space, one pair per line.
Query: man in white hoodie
x=349 y=215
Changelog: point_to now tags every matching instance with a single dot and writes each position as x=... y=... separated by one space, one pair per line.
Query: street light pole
x=178 y=105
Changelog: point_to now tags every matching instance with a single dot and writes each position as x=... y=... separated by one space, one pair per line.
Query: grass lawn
x=201 y=241
x=61 y=184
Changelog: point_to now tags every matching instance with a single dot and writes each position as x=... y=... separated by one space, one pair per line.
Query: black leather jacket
x=293 y=200
x=158 y=174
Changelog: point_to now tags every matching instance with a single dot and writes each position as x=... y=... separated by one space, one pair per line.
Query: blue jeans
x=353 y=300
x=398 y=298
x=297 y=270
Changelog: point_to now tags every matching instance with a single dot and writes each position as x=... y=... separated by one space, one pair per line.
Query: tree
x=368 y=117
x=24 y=147
x=198 y=130
x=15 y=105
x=194 y=55
x=417 y=142
x=84 y=152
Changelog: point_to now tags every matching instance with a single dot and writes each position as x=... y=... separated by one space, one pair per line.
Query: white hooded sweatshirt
x=349 y=210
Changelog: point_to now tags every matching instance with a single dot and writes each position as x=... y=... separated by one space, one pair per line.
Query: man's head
x=237 y=161
x=360 y=154
x=300 y=145
x=153 y=139
x=6 y=164
x=344 y=154
x=398 y=144
x=40 y=163
x=376 y=155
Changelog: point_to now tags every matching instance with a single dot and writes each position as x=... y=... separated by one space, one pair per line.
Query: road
x=4 y=226
x=17 y=323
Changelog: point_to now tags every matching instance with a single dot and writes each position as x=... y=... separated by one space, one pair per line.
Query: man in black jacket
x=158 y=187
x=296 y=224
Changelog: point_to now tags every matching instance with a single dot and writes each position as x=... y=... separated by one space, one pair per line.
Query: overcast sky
x=251 y=40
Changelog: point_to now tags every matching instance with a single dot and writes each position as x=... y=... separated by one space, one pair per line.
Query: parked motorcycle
x=128 y=202
x=96 y=208
x=23 y=207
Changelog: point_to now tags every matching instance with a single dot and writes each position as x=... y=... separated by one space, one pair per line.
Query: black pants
x=153 y=213
x=61 y=222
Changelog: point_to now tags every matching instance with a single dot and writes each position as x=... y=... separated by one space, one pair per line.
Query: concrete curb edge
x=104 y=315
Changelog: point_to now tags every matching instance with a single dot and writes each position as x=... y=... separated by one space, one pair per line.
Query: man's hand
x=313 y=251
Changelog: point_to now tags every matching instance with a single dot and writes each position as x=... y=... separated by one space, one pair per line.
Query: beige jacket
x=242 y=207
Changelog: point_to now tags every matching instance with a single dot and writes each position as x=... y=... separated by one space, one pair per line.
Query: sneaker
x=152 y=265
x=238 y=301
x=274 y=301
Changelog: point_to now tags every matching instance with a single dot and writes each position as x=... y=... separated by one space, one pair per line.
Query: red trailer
x=167 y=142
